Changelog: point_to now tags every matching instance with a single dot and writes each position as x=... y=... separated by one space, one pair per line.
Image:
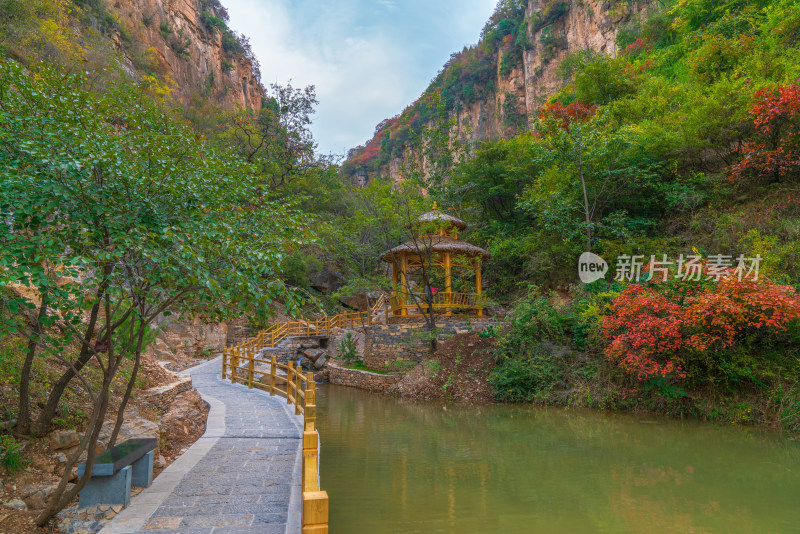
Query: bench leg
x=114 y=489
x=142 y=474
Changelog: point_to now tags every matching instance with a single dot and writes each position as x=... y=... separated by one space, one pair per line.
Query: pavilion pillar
x=395 y=283
x=403 y=284
x=448 y=280
x=478 y=283
x=395 y=278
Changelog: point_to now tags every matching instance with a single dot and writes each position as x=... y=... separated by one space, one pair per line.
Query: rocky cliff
x=187 y=44
x=516 y=87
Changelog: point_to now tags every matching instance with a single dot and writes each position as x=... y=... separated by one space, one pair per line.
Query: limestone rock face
x=586 y=25
x=180 y=45
x=180 y=341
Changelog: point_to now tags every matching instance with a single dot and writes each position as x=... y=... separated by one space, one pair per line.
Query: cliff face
x=184 y=43
x=517 y=93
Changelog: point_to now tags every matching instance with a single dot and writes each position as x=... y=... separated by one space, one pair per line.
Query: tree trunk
x=46 y=417
x=61 y=497
x=586 y=210
x=137 y=360
x=24 y=414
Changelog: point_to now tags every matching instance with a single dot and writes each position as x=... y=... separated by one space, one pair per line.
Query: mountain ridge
x=492 y=89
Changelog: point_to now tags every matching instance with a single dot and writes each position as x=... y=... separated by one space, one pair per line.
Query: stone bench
x=115 y=471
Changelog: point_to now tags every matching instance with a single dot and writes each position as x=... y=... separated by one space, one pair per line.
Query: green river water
x=392 y=465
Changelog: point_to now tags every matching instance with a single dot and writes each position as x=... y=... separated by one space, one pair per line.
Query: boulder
x=36 y=496
x=16 y=504
x=313 y=354
x=321 y=361
x=305 y=363
x=64 y=439
x=326 y=280
x=360 y=302
x=133 y=426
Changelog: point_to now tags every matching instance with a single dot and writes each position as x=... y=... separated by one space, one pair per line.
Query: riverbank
x=462 y=369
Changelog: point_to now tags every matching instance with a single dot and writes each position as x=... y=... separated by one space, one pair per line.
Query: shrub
x=533 y=320
x=10 y=455
x=231 y=43
x=348 y=348
x=526 y=360
x=774 y=153
x=211 y=22
x=165 y=29
x=488 y=332
x=522 y=378
x=700 y=330
x=298 y=267
x=551 y=11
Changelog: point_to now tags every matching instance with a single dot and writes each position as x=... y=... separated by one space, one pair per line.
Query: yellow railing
x=238 y=364
x=442 y=302
x=320 y=327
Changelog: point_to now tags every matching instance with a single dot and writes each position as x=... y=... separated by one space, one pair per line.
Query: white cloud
x=367 y=61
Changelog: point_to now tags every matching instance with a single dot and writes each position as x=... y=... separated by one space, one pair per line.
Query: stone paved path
x=242 y=476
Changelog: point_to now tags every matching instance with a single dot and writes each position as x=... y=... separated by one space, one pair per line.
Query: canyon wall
x=184 y=41
x=580 y=25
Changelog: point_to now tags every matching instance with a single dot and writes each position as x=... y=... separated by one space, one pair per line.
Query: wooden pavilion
x=435 y=250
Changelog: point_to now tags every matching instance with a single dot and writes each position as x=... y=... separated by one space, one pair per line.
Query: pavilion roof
x=438 y=216
x=436 y=244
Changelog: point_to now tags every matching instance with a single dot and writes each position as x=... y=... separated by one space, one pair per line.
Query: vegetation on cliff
x=681 y=147
x=684 y=145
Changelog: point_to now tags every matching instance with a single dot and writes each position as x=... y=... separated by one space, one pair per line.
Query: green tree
x=139 y=213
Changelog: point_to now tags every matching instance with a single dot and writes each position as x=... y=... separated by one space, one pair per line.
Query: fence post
x=289 y=381
x=310 y=405
x=272 y=370
x=224 y=361
x=235 y=363
x=315 y=512
x=298 y=387
x=251 y=366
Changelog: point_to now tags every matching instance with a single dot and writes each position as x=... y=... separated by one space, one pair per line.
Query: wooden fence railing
x=317 y=327
x=442 y=302
x=239 y=364
x=287 y=380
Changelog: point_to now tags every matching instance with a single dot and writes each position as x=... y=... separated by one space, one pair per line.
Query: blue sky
x=367 y=58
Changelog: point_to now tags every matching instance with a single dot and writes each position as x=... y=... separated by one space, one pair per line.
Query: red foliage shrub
x=567 y=115
x=775 y=151
x=657 y=330
x=636 y=47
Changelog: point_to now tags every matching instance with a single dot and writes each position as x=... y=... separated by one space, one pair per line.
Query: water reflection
x=391 y=465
